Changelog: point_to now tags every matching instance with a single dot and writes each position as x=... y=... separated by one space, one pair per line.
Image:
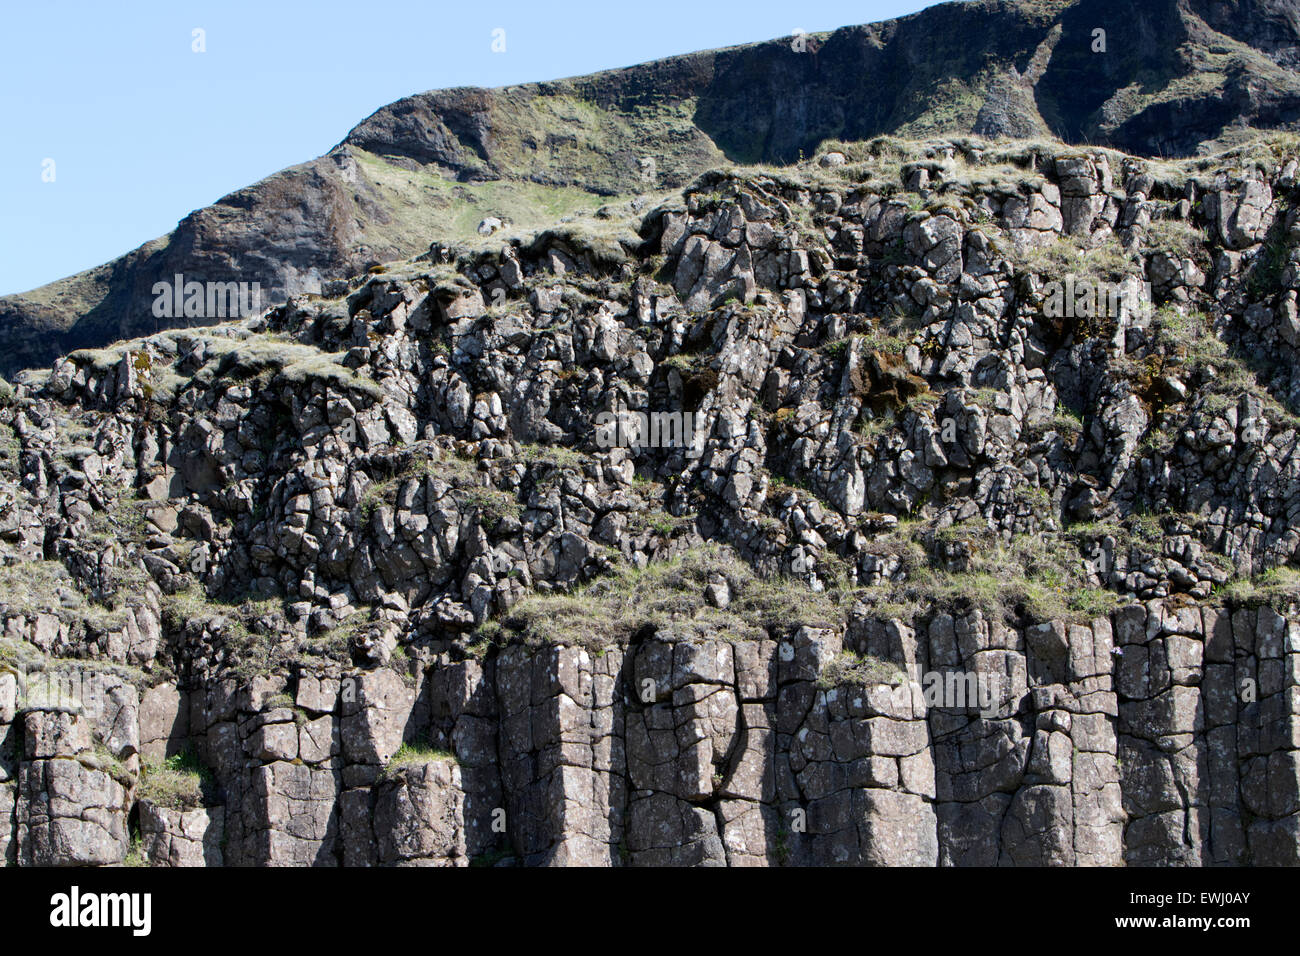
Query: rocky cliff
x=976 y=547
x=1159 y=78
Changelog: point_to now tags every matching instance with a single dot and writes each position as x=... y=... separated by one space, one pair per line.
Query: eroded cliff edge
x=357 y=581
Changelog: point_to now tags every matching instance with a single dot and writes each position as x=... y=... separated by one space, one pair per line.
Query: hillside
x=1176 y=78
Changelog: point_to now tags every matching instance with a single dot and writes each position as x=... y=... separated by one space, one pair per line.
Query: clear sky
x=142 y=129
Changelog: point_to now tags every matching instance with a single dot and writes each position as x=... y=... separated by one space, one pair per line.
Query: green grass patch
x=1276 y=587
x=1034 y=577
x=180 y=782
x=853 y=668
x=669 y=595
x=413 y=755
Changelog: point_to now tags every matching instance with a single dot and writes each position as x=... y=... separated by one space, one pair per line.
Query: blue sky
x=143 y=130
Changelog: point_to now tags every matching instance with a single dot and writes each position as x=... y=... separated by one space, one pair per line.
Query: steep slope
x=978 y=545
x=1176 y=76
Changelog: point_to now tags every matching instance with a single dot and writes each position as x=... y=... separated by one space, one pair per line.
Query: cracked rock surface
x=944 y=573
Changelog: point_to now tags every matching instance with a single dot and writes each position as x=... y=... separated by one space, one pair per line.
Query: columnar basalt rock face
x=10 y=751
x=181 y=838
x=71 y=807
x=420 y=817
x=562 y=765
x=944 y=574
x=1104 y=744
